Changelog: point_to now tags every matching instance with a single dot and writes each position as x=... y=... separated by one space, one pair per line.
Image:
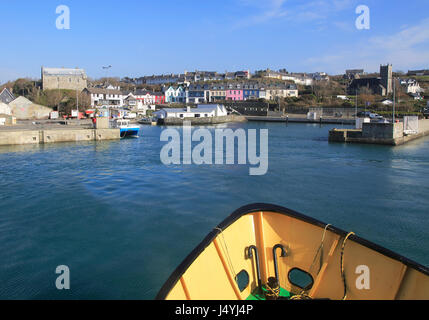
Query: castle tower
x=386 y=77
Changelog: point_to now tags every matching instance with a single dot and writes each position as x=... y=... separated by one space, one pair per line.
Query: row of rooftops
x=123 y=92
x=206 y=75
x=241 y=86
x=187 y=77
x=418 y=72
x=196 y=75
x=197 y=87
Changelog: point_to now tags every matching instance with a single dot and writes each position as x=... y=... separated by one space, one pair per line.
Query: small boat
x=127 y=131
x=267 y=252
x=145 y=121
x=148 y=121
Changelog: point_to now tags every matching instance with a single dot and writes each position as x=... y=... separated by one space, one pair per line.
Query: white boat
x=127 y=130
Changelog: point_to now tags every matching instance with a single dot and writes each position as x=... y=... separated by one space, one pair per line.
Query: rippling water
x=122 y=221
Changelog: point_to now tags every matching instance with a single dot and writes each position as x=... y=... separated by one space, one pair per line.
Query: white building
x=138 y=104
x=411 y=86
x=302 y=80
x=5 y=109
x=175 y=94
x=105 y=98
x=343 y=97
x=202 y=111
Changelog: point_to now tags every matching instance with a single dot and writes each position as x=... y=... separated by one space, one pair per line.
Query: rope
x=273 y=292
x=302 y=295
x=342 y=264
x=228 y=258
x=320 y=250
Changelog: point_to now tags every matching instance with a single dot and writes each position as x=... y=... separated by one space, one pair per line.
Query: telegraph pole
x=77 y=104
x=394 y=100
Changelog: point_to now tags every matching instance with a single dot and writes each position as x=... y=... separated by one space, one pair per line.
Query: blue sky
x=141 y=37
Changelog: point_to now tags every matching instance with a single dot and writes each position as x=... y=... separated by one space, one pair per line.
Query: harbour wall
x=202 y=121
x=21 y=137
x=303 y=120
x=379 y=133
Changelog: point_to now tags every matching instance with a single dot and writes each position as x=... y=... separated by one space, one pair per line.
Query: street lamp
x=107 y=70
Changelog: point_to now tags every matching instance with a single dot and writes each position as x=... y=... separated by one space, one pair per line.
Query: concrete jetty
x=379 y=133
x=49 y=133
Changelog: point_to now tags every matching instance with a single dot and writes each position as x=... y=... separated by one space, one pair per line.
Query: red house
x=159 y=97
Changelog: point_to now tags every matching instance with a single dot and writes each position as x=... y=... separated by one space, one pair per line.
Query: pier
x=379 y=133
x=50 y=132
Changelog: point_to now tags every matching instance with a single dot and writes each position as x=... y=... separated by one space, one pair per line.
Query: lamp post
x=107 y=70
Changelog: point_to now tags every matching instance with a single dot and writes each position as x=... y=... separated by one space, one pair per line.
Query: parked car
x=368 y=114
x=375 y=116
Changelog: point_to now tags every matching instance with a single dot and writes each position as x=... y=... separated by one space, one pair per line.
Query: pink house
x=234 y=92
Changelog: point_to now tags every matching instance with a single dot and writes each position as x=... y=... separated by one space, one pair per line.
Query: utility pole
x=394 y=100
x=356 y=104
x=77 y=104
x=107 y=70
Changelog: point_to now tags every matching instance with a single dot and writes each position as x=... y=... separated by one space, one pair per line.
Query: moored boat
x=267 y=252
x=127 y=130
x=148 y=121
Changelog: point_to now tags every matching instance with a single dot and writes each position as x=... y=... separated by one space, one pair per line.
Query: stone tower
x=386 y=78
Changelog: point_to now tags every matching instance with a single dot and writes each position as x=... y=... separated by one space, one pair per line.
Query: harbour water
x=122 y=221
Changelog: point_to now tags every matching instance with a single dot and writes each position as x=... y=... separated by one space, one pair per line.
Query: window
x=300 y=279
x=242 y=280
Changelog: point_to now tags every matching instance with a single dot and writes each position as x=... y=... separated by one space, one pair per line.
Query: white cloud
x=406 y=49
x=292 y=10
x=269 y=10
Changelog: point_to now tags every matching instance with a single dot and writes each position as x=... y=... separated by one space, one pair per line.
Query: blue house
x=250 y=91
